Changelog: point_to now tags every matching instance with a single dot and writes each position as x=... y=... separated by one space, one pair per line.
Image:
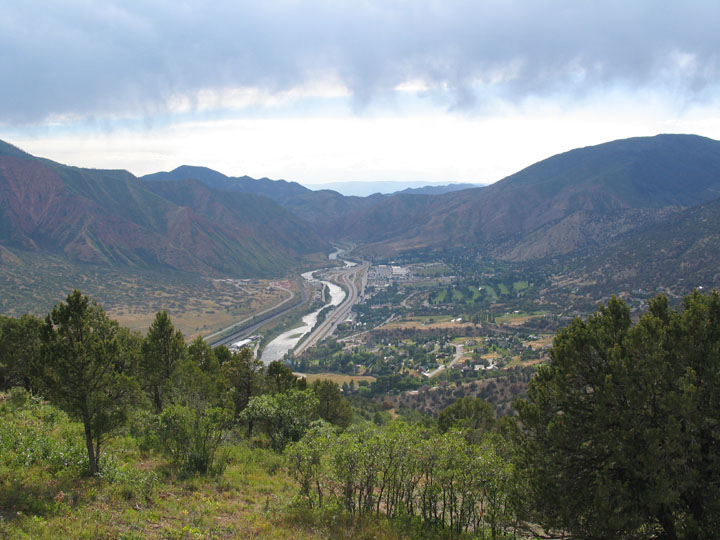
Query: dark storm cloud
x=95 y=58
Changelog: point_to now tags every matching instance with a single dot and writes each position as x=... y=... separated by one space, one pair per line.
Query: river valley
x=285 y=342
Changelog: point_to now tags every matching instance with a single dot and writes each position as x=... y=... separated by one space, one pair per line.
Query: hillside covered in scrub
x=109 y=433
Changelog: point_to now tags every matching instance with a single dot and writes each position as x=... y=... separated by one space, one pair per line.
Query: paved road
x=405 y=304
x=346 y=278
x=353 y=336
x=459 y=351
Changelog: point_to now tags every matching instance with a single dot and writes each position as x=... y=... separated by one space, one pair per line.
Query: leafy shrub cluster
x=36 y=433
x=443 y=481
x=128 y=481
x=192 y=437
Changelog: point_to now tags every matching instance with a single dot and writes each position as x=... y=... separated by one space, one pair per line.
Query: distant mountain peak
x=7 y=149
x=388 y=187
x=196 y=172
x=440 y=189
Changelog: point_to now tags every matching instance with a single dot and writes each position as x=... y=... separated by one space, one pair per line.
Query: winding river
x=278 y=347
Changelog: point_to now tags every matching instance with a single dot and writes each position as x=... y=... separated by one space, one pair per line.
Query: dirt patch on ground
x=420 y=325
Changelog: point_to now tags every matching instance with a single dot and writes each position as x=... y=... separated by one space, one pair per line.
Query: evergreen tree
x=280 y=378
x=163 y=350
x=86 y=370
x=619 y=431
x=20 y=350
x=244 y=375
x=332 y=407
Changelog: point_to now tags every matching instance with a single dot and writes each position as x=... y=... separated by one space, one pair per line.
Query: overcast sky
x=351 y=90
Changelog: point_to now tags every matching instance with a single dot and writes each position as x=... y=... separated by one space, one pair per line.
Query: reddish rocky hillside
x=578 y=199
x=110 y=217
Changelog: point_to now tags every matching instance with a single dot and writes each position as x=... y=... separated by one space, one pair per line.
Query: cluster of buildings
x=251 y=343
x=381 y=275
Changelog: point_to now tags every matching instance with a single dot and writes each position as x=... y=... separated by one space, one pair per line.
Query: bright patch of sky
x=342 y=91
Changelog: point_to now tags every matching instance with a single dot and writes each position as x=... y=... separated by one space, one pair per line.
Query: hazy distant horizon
x=364 y=188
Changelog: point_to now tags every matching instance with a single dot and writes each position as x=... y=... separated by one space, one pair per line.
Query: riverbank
x=285 y=342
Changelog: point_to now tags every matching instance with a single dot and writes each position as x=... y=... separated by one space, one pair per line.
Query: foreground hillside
x=146 y=437
x=44 y=494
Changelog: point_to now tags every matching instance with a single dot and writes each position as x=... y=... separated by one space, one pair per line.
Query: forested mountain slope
x=683 y=248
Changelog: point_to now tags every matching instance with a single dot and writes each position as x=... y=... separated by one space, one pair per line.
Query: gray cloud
x=78 y=57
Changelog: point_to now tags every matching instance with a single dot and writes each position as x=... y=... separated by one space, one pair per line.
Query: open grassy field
x=542 y=341
x=427 y=323
x=520 y=286
x=216 y=306
x=518 y=319
x=431 y=270
x=490 y=290
x=196 y=304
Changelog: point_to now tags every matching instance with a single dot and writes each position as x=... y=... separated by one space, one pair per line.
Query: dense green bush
x=36 y=433
x=447 y=481
x=192 y=437
x=283 y=417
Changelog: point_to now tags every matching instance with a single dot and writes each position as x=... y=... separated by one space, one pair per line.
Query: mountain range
x=608 y=197
x=320 y=207
x=363 y=189
x=573 y=200
x=112 y=218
